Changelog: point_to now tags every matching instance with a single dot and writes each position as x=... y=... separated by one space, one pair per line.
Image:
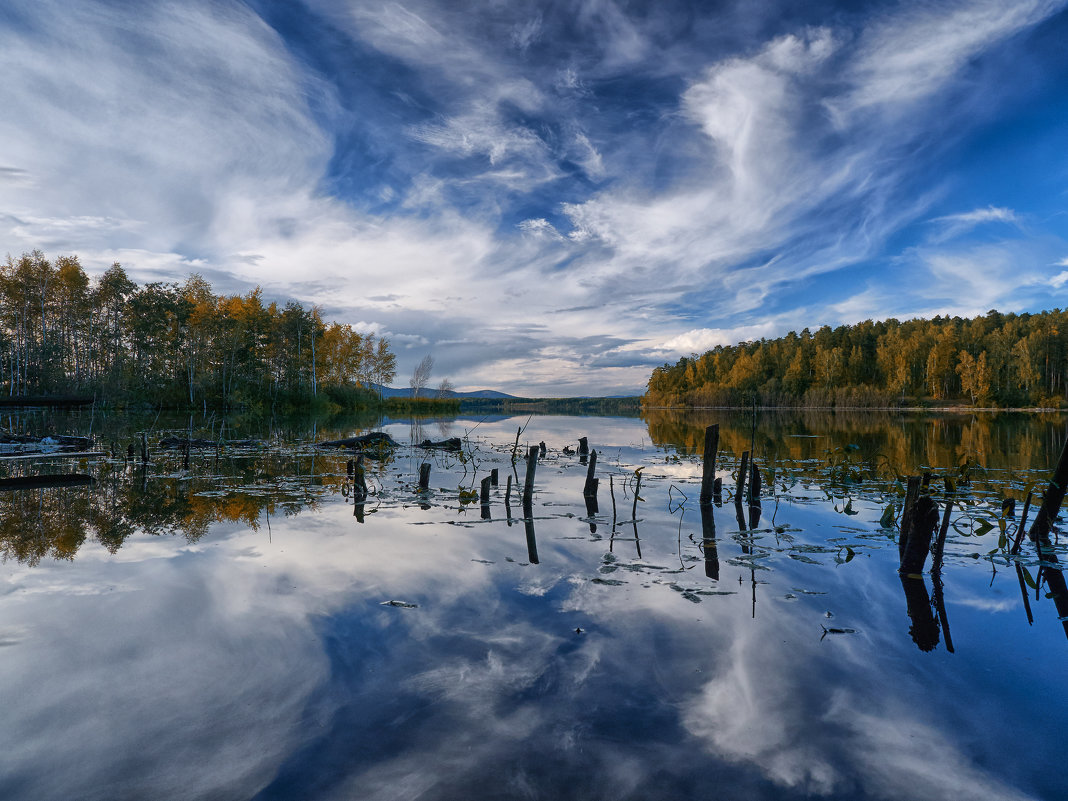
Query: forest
x=994 y=360
x=177 y=345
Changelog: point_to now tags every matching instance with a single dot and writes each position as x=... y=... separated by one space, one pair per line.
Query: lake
x=241 y=628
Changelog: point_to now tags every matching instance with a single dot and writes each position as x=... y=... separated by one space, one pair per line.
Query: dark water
x=224 y=631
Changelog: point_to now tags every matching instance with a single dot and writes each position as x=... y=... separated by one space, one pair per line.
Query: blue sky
x=550 y=197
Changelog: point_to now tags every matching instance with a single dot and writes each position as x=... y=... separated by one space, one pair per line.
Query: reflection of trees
x=161 y=500
x=33 y=525
x=906 y=444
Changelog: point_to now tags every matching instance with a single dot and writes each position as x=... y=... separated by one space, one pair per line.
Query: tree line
x=175 y=344
x=1005 y=360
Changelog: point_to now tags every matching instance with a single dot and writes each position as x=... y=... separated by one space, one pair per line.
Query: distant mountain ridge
x=404 y=392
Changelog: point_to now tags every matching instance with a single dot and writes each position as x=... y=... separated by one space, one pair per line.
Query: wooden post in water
x=922 y=524
x=1052 y=500
x=754 y=485
x=528 y=481
x=532 y=541
x=584 y=446
x=424 y=477
x=359 y=479
x=612 y=492
x=717 y=491
x=1016 y=543
x=590 y=488
x=708 y=542
x=144 y=448
x=484 y=497
x=924 y=628
x=637 y=488
x=541 y=448
x=592 y=509
x=742 y=469
x=940 y=542
x=912 y=492
x=508 y=491
x=708 y=476
x=494 y=477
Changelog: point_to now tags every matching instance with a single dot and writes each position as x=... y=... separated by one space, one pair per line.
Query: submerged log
x=180 y=442
x=450 y=444
x=46 y=400
x=374 y=439
x=22 y=443
x=45 y=482
x=53 y=455
x=183 y=443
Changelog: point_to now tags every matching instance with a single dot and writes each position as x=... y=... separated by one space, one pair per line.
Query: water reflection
x=708 y=542
x=909 y=442
x=567 y=667
x=924 y=628
x=159 y=499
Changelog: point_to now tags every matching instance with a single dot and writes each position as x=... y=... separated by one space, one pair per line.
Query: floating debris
x=827 y=631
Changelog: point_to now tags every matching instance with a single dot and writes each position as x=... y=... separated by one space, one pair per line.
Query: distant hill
x=404 y=392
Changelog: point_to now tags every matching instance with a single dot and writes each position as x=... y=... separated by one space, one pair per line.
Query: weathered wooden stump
x=708 y=476
x=590 y=487
x=528 y=482
x=912 y=491
x=743 y=468
x=922 y=524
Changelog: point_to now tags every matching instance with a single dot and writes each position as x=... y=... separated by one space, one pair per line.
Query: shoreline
x=910 y=409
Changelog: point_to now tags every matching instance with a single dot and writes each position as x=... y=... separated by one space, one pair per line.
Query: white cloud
x=699 y=340
x=989 y=214
x=953 y=225
x=910 y=55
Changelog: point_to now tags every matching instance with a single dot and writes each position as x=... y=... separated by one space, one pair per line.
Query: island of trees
x=1003 y=360
x=174 y=344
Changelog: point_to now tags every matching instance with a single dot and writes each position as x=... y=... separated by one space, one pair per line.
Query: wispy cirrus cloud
x=953 y=225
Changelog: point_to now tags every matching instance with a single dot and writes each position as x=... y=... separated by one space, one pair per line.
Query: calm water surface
x=227 y=631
